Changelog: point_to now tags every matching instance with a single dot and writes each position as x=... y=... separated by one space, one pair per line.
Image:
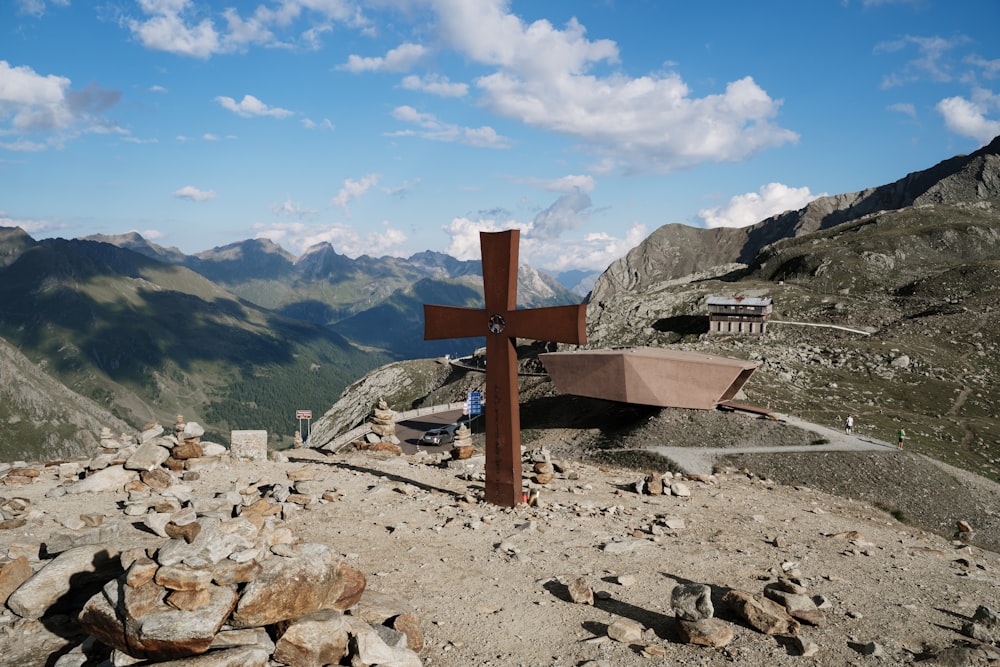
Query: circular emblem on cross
x=497 y=323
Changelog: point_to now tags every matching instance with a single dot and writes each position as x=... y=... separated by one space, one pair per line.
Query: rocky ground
x=493 y=586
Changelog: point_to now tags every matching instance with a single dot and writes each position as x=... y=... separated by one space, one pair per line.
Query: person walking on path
x=849 y=425
x=900 y=437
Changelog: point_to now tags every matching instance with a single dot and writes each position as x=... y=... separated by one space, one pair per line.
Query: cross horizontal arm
x=453 y=322
x=562 y=324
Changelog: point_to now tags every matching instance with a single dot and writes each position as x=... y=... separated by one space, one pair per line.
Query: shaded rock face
x=214 y=581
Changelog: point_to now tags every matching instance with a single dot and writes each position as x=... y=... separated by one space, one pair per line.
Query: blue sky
x=395 y=127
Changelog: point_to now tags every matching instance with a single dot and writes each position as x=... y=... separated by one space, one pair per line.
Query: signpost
x=502 y=324
x=307 y=415
x=474 y=404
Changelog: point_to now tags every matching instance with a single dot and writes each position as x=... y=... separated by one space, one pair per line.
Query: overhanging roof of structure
x=649 y=376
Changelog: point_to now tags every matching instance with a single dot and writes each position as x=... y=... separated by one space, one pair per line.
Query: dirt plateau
x=491 y=586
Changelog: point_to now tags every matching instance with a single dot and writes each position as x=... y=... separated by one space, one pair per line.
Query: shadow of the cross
x=382 y=473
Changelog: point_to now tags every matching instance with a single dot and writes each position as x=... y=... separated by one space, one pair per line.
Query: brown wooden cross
x=502 y=324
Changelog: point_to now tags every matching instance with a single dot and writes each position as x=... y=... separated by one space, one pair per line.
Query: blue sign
x=475 y=403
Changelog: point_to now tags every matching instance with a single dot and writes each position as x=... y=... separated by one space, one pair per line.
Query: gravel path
x=702 y=459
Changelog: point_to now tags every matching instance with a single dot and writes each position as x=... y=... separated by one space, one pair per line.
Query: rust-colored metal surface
x=502 y=324
x=649 y=376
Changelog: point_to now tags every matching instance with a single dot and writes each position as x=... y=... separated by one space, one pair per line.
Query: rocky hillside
x=38 y=413
x=675 y=251
x=901 y=279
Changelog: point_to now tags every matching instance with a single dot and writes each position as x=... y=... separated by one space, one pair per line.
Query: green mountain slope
x=150 y=340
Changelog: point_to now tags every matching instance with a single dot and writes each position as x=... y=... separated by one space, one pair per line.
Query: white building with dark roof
x=738 y=314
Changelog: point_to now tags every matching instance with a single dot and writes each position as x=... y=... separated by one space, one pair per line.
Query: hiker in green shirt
x=900 y=436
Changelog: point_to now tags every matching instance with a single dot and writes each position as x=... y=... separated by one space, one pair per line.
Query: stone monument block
x=248 y=445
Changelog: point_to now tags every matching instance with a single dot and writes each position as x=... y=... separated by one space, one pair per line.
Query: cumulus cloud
x=969 y=117
x=166 y=29
x=192 y=193
x=399 y=59
x=353 y=189
x=31 y=103
x=544 y=79
x=183 y=28
x=435 y=84
x=432 y=128
x=250 y=106
x=751 y=208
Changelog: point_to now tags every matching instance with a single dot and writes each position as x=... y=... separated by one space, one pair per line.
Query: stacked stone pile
x=382 y=437
x=462 y=447
x=383 y=421
x=208 y=581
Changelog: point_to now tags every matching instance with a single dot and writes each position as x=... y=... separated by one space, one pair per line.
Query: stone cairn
x=462 y=447
x=217 y=582
x=383 y=431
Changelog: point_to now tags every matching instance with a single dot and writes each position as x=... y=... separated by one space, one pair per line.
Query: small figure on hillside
x=849 y=425
x=900 y=437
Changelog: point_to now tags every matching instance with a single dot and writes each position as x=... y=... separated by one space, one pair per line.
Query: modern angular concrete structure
x=649 y=376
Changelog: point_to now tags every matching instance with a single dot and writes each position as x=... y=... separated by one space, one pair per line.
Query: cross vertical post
x=502 y=324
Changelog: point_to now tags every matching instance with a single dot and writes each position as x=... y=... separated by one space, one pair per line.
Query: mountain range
x=243 y=335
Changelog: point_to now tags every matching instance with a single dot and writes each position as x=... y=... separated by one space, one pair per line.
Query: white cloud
x=291 y=209
x=931 y=62
x=250 y=106
x=464 y=233
x=345 y=239
x=570 y=183
x=435 y=84
x=166 y=30
x=34 y=104
x=37 y=7
x=436 y=130
x=32 y=227
x=751 y=208
x=652 y=123
x=904 y=108
x=184 y=28
x=23 y=146
x=399 y=59
x=192 y=193
x=969 y=118
x=548 y=252
x=990 y=69
x=595 y=252
x=566 y=213
x=353 y=189
x=310 y=124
